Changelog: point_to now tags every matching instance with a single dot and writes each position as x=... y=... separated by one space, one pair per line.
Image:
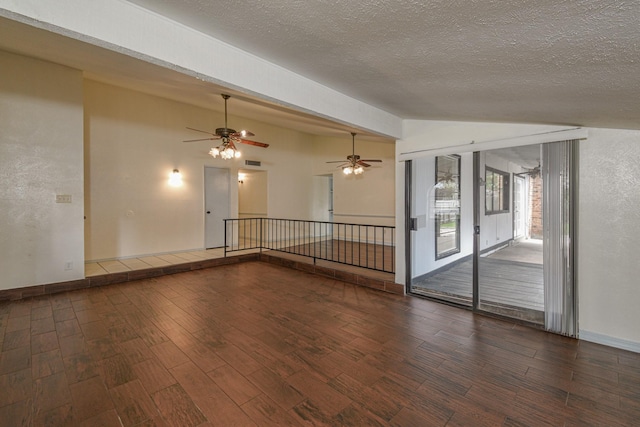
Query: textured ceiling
x=554 y=62
x=546 y=61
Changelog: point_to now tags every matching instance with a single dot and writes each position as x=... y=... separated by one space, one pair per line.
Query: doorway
x=252 y=193
x=216 y=205
x=511 y=214
x=520 y=210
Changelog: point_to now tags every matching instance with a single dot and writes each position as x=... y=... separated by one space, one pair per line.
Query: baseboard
x=125 y=276
x=609 y=341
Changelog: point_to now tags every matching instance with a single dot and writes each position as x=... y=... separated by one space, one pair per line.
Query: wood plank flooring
x=257 y=344
x=374 y=256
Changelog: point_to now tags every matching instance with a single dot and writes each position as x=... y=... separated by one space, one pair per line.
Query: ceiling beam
x=131 y=30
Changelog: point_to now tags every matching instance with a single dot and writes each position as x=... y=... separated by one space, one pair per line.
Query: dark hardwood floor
x=257 y=344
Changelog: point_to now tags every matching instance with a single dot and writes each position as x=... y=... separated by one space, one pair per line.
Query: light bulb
x=348 y=170
x=175 y=178
x=238 y=154
x=358 y=170
x=214 y=152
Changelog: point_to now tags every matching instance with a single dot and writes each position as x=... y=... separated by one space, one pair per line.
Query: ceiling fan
x=447 y=177
x=532 y=172
x=354 y=164
x=227 y=150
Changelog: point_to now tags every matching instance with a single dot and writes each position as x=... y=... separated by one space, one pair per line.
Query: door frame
x=410 y=224
x=523 y=208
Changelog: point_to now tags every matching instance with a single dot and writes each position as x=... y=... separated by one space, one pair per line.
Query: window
x=496 y=191
x=447 y=205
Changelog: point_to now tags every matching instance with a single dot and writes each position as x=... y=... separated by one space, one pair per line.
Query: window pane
x=447 y=208
x=496 y=191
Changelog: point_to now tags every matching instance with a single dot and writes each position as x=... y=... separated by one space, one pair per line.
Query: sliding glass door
x=492 y=230
x=510 y=266
x=442 y=240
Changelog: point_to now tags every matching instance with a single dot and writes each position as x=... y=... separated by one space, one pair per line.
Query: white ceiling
x=546 y=61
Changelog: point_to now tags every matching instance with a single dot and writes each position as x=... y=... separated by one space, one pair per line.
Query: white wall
x=608 y=245
x=608 y=290
x=40 y=157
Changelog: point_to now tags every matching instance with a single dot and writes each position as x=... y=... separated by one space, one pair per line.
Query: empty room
x=319 y=213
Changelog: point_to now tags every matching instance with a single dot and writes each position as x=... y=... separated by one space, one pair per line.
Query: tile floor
x=130 y=264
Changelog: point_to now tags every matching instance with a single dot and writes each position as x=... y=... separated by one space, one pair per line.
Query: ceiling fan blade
x=203 y=131
x=242 y=134
x=336 y=161
x=343 y=165
x=249 y=142
x=370 y=160
x=362 y=163
x=201 y=139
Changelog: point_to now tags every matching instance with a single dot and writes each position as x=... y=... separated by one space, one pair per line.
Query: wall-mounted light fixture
x=241 y=177
x=175 y=179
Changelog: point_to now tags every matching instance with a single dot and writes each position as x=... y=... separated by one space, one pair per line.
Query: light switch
x=63 y=198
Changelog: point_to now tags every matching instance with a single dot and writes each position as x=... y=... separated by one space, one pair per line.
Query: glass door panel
x=442 y=239
x=510 y=270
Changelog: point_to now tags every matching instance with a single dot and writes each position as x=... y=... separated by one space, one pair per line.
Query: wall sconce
x=241 y=177
x=175 y=179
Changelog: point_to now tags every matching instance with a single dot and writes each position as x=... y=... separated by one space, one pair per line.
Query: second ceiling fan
x=227 y=150
x=354 y=164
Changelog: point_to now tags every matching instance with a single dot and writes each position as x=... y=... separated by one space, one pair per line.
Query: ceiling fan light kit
x=354 y=165
x=348 y=170
x=227 y=150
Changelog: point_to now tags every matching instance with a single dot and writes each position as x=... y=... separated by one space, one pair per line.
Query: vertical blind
x=558 y=175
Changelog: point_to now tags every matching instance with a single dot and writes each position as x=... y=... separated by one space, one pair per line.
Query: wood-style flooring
x=257 y=344
x=366 y=255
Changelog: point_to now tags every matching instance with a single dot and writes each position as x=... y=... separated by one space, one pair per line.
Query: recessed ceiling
x=570 y=63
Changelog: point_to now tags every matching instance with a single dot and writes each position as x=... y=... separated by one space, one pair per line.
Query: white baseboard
x=609 y=341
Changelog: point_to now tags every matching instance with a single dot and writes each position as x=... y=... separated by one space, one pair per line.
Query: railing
x=366 y=246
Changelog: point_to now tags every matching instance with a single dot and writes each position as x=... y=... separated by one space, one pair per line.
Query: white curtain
x=558 y=176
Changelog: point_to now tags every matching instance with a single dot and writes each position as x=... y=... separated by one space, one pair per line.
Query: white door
x=216 y=205
x=519 y=207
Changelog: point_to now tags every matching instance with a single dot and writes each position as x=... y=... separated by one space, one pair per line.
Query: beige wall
x=133 y=142
x=365 y=199
x=253 y=194
x=41 y=241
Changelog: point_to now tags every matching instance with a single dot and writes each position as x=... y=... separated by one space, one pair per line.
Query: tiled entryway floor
x=130 y=264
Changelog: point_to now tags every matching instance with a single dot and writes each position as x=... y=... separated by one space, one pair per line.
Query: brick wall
x=535 y=201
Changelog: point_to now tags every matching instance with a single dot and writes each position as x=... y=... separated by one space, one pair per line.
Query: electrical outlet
x=63 y=198
x=68 y=266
